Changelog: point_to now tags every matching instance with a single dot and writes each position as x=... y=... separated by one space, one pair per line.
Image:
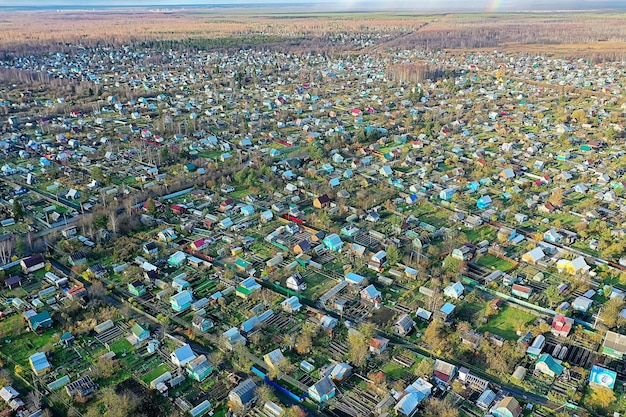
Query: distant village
x=272 y=234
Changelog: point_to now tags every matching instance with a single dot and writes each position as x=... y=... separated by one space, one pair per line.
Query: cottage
x=81 y=388
x=40 y=321
x=274 y=359
x=291 y=305
x=547 y=365
x=138 y=334
x=322 y=201
x=177 y=259
x=454 y=290
x=201 y=323
x=533 y=256
x=443 y=371
x=521 y=291
x=614 y=345
x=378 y=261
x=323 y=390
x=507 y=407
x=181 y=301
x=199 y=368
x=233 y=338
x=39 y=363
x=371 y=295
x=13 y=281
x=561 y=325
x=167 y=235
x=33 y=263
x=244 y=394
x=484 y=202
x=333 y=242
x=582 y=304
x=414 y=395
x=247 y=287
x=137 y=288
x=378 y=345
x=404 y=325
x=77 y=258
x=182 y=356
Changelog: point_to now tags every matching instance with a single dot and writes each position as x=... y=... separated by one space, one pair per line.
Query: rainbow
x=494 y=5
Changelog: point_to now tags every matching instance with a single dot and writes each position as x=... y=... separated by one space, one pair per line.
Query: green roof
x=137 y=330
x=553 y=365
x=244 y=290
x=242 y=264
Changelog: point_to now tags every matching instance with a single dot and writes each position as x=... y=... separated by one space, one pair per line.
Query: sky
x=416 y=5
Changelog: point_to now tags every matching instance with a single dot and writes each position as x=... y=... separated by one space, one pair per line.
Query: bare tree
x=113 y=221
x=6 y=248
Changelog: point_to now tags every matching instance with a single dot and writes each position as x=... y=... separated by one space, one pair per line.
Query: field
x=316 y=285
x=493 y=262
x=155 y=373
x=508 y=322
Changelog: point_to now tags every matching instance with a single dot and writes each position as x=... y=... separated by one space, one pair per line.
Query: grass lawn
x=507 y=322
x=120 y=346
x=155 y=373
x=239 y=193
x=480 y=233
x=316 y=285
x=394 y=371
x=493 y=262
x=24 y=344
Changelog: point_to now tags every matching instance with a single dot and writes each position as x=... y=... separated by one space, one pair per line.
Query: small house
x=181 y=301
x=581 y=304
x=199 y=368
x=291 y=305
x=521 y=291
x=507 y=407
x=40 y=321
x=150 y=248
x=201 y=323
x=39 y=363
x=182 y=356
x=454 y=290
x=137 y=288
x=561 y=325
x=404 y=325
x=323 y=390
x=296 y=283
x=33 y=263
x=443 y=371
x=378 y=345
x=244 y=394
x=333 y=242
x=371 y=295
x=274 y=358
x=484 y=202
x=177 y=259
x=614 y=345
x=77 y=258
x=167 y=235
x=322 y=201
x=547 y=365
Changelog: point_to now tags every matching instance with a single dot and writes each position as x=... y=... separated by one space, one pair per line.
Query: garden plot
x=338 y=349
x=219 y=390
x=357 y=311
x=110 y=335
x=365 y=239
x=356 y=404
x=280 y=322
x=572 y=354
x=325 y=257
x=306 y=379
